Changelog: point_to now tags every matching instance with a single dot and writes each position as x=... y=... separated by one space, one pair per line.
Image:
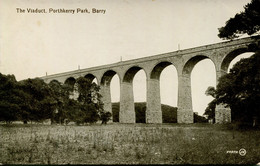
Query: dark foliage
x=38 y=101
x=240 y=90
x=9 y=98
x=140 y=109
x=105 y=117
x=86 y=106
x=246 y=22
x=199 y=119
x=169 y=114
x=210 y=110
x=79 y=101
x=115 y=112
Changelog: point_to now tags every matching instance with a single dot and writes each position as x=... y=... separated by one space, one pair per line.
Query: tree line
x=33 y=100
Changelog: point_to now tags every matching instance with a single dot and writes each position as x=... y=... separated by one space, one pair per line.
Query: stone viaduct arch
x=105 y=89
x=90 y=77
x=154 y=112
x=127 y=108
x=221 y=54
x=71 y=85
x=185 y=113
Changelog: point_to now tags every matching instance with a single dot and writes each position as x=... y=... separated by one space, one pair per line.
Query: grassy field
x=127 y=144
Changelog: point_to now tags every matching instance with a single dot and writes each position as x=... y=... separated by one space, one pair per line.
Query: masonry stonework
x=184 y=113
x=153 y=111
x=127 y=109
x=221 y=54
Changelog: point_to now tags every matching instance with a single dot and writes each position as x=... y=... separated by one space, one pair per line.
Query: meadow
x=128 y=144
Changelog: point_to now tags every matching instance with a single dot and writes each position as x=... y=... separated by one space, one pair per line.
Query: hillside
x=169 y=113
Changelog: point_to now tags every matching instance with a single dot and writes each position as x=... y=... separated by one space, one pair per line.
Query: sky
x=32 y=44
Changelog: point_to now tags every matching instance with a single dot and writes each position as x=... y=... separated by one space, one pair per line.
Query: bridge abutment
x=153 y=106
x=127 y=108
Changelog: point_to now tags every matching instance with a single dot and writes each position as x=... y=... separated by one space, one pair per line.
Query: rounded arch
x=130 y=73
x=107 y=77
x=54 y=81
x=189 y=65
x=70 y=81
x=232 y=55
x=90 y=77
x=203 y=75
x=158 y=68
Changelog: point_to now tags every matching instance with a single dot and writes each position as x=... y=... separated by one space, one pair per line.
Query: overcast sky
x=32 y=44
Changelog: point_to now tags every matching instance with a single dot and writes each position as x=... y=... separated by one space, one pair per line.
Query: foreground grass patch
x=127 y=144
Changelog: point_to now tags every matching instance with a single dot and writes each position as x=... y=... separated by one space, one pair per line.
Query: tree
x=10 y=98
x=38 y=102
x=90 y=107
x=105 y=117
x=210 y=110
x=240 y=90
x=86 y=107
x=246 y=22
x=211 y=91
x=61 y=95
x=89 y=100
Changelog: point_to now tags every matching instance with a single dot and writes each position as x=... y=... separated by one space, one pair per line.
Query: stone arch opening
x=54 y=82
x=133 y=89
x=165 y=74
x=191 y=63
x=203 y=76
x=156 y=72
x=107 y=77
x=139 y=89
x=108 y=86
x=130 y=73
x=187 y=89
x=232 y=55
x=238 y=58
x=91 y=78
x=70 y=83
x=115 y=88
x=115 y=97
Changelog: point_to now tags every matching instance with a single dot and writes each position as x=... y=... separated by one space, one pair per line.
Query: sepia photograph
x=130 y=82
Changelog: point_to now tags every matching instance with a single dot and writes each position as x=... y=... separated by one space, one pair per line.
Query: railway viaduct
x=221 y=54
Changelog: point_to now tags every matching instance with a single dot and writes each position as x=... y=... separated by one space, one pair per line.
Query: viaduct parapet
x=221 y=54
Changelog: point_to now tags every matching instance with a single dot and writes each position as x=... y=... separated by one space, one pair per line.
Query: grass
x=127 y=144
